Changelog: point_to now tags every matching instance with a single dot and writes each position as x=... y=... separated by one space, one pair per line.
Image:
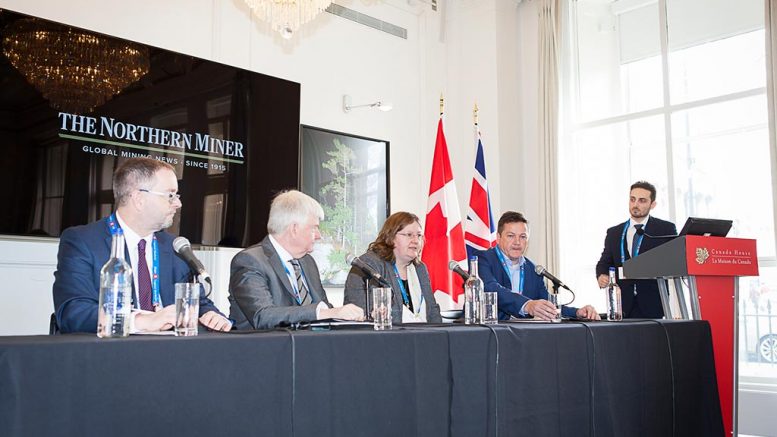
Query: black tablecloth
x=632 y=378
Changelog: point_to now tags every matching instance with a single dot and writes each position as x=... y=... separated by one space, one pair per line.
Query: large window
x=673 y=92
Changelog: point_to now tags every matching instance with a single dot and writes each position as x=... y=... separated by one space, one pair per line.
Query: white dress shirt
x=286 y=258
x=132 y=239
x=633 y=230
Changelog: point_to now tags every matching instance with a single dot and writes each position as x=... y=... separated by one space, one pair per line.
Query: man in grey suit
x=276 y=282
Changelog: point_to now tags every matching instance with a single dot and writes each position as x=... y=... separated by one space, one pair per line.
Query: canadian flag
x=444 y=237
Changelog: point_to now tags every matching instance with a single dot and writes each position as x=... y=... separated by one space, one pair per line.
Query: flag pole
x=443 y=227
x=475 y=119
x=479 y=231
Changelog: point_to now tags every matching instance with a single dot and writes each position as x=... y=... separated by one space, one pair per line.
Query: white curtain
x=770 y=23
x=548 y=110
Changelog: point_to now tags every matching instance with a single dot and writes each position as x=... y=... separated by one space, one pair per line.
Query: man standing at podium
x=637 y=235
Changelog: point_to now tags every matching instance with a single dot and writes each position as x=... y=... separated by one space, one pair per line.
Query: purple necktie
x=144 y=279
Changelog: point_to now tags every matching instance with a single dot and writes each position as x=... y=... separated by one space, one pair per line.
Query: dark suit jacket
x=260 y=293
x=495 y=279
x=83 y=250
x=640 y=297
x=354 y=287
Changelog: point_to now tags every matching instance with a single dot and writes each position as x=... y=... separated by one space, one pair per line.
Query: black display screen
x=706 y=226
x=231 y=134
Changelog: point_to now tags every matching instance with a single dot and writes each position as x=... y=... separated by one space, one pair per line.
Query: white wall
x=469 y=51
x=26 y=276
x=521 y=192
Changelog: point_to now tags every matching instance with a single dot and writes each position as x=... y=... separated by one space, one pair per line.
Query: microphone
x=183 y=248
x=367 y=269
x=540 y=270
x=641 y=231
x=454 y=267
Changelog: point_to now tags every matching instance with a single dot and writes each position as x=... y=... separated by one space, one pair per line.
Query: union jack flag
x=480 y=229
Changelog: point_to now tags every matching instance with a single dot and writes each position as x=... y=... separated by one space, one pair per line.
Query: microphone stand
x=206 y=283
x=554 y=300
x=367 y=304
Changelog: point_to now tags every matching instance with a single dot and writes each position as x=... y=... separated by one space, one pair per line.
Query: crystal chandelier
x=74 y=70
x=286 y=16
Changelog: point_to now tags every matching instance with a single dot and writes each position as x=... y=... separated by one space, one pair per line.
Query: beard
x=165 y=222
x=639 y=214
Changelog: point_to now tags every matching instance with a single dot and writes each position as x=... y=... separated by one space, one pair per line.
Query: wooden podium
x=711 y=266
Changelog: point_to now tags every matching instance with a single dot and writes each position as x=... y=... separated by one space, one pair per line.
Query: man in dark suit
x=504 y=269
x=626 y=240
x=146 y=194
x=276 y=282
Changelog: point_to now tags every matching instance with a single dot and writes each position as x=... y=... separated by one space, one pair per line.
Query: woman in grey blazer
x=395 y=254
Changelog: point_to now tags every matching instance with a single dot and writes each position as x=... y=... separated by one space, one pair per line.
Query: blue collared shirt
x=515 y=276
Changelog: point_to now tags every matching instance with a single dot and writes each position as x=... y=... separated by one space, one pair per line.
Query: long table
x=651 y=378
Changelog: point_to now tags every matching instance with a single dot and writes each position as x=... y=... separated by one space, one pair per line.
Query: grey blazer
x=354 y=287
x=260 y=295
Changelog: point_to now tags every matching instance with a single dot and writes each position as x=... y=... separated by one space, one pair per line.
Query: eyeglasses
x=171 y=197
x=410 y=236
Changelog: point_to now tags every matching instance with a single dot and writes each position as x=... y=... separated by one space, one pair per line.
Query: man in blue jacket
x=146 y=194
x=504 y=269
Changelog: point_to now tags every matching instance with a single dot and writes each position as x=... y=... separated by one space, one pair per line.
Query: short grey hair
x=133 y=174
x=291 y=207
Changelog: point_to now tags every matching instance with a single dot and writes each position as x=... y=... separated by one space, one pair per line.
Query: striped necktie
x=144 y=279
x=302 y=295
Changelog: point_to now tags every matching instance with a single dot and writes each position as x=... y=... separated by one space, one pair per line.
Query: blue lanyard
x=293 y=280
x=635 y=250
x=405 y=296
x=156 y=298
x=507 y=270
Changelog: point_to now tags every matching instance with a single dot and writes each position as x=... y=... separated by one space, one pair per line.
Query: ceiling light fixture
x=75 y=70
x=286 y=16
